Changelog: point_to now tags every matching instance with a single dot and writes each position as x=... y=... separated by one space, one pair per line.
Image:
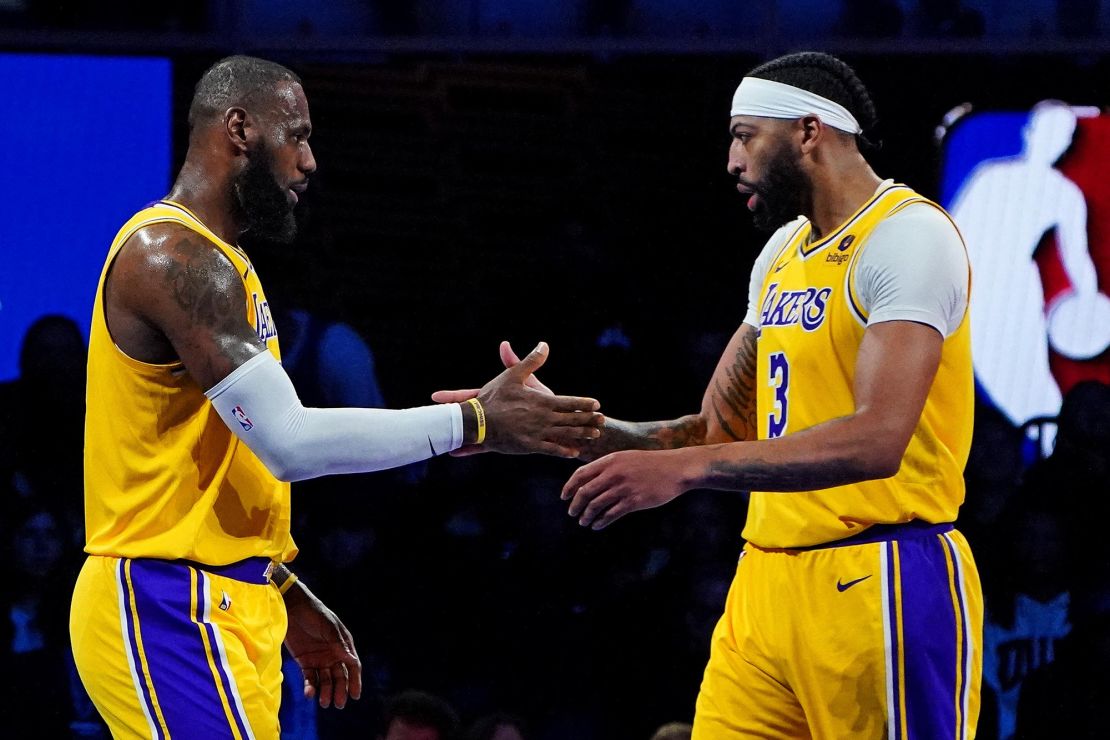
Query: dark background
x=479 y=186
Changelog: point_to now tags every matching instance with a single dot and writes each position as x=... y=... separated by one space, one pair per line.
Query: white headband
x=768 y=99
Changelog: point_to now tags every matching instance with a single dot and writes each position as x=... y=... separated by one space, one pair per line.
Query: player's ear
x=236 y=127
x=810 y=132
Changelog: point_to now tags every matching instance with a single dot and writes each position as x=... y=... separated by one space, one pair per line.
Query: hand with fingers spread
x=606 y=489
x=524 y=416
x=508 y=359
x=323 y=648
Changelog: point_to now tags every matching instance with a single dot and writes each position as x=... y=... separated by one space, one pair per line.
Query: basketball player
x=194 y=431
x=843 y=403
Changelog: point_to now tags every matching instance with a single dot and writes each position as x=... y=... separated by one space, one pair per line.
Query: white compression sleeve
x=259 y=404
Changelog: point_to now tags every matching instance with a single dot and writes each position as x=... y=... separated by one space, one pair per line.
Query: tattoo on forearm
x=665 y=435
x=734 y=402
x=762 y=475
x=685 y=432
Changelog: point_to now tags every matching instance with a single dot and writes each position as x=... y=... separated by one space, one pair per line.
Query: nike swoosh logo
x=780 y=267
x=845 y=586
x=432 y=447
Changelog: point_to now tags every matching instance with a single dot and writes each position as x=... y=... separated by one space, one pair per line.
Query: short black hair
x=828 y=77
x=485 y=727
x=424 y=710
x=235 y=81
x=46 y=339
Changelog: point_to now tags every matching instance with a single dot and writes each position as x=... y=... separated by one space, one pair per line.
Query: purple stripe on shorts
x=965 y=647
x=133 y=644
x=175 y=651
x=929 y=636
x=895 y=645
x=210 y=630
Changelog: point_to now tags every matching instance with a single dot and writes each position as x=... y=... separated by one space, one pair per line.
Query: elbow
x=283 y=473
x=885 y=467
x=881 y=461
x=283 y=466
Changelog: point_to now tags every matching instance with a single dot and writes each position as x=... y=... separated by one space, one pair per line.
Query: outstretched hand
x=523 y=415
x=606 y=489
x=508 y=359
x=323 y=648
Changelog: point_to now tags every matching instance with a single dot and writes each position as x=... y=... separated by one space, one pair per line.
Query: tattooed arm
x=895 y=367
x=727 y=410
x=172 y=296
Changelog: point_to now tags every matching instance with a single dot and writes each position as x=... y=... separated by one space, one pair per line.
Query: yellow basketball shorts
x=877 y=638
x=176 y=650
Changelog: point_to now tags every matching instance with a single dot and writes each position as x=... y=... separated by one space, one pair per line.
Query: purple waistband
x=912 y=529
x=251 y=570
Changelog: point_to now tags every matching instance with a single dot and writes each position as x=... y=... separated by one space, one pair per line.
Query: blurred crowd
x=481 y=610
x=704 y=19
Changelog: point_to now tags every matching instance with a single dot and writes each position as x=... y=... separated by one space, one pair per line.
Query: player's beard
x=784 y=194
x=265 y=205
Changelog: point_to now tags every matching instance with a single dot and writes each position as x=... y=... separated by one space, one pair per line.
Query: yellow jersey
x=811 y=324
x=164 y=476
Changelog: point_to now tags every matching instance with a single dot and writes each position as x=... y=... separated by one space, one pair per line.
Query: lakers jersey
x=811 y=325
x=164 y=476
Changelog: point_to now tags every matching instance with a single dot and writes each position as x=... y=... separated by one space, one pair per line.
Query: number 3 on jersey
x=780 y=381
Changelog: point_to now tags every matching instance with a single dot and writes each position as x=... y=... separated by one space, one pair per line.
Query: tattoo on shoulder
x=734 y=403
x=196 y=286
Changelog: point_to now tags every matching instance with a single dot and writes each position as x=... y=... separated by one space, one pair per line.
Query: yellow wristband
x=288 y=583
x=481 y=414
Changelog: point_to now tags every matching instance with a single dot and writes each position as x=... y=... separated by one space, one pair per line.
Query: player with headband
x=843 y=404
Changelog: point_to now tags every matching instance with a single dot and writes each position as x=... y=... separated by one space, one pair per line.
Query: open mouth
x=753 y=197
x=297 y=190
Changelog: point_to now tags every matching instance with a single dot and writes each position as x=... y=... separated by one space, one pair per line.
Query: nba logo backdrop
x=1029 y=192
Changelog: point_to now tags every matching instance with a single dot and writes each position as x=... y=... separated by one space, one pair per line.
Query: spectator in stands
x=1027 y=580
x=1067 y=697
x=496 y=726
x=42 y=416
x=1079 y=470
x=1076 y=477
x=419 y=715
x=34 y=638
x=674 y=731
x=1083 y=433
x=992 y=475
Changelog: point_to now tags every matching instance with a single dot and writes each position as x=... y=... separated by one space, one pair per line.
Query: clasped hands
x=526 y=416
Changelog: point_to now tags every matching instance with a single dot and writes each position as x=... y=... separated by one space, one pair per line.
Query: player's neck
x=209 y=198
x=840 y=191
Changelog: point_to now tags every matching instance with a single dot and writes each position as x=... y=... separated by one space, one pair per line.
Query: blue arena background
x=88 y=143
x=977 y=137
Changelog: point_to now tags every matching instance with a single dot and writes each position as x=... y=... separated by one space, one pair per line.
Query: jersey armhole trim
x=147 y=368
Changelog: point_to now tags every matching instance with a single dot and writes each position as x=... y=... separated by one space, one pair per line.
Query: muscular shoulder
x=168 y=251
x=168 y=261
x=172 y=295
